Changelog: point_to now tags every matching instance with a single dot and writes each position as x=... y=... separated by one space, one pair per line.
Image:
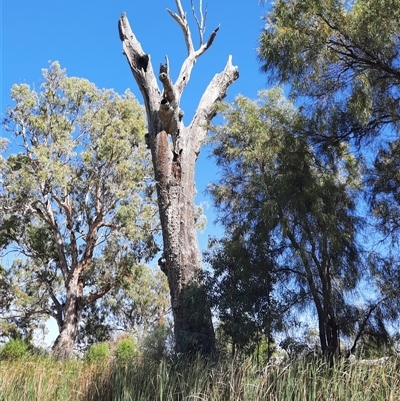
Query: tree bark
x=174 y=150
x=64 y=345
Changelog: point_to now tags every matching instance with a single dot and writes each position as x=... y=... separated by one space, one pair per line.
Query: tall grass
x=42 y=378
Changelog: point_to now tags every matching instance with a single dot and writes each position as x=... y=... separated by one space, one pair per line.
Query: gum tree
x=174 y=150
x=72 y=199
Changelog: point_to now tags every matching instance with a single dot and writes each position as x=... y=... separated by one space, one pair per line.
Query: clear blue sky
x=83 y=36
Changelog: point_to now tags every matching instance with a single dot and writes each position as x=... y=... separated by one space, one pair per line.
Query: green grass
x=42 y=378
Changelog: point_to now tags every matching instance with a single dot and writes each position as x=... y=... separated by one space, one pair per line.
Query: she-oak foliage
x=76 y=203
x=341 y=58
x=342 y=62
x=276 y=192
x=240 y=287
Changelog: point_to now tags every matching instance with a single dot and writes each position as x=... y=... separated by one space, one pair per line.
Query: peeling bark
x=174 y=150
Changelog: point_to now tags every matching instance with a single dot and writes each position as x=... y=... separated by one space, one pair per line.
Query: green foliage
x=76 y=200
x=15 y=349
x=374 y=346
x=147 y=301
x=195 y=337
x=158 y=343
x=5 y=298
x=289 y=208
x=241 y=291
x=385 y=181
x=136 y=305
x=97 y=353
x=344 y=55
x=126 y=350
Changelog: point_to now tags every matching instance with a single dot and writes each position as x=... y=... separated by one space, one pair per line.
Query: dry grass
x=46 y=379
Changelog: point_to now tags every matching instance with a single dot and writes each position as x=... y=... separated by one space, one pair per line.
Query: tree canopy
x=276 y=190
x=341 y=58
x=76 y=198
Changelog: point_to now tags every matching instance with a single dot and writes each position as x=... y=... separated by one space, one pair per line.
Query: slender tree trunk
x=322 y=331
x=174 y=151
x=64 y=345
x=328 y=333
x=331 y=327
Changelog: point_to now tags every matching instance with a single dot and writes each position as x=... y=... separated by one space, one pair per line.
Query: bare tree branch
x=201 y=24
x=188 y=64
x=214 y=93
x=182 y=22
x=94 y=296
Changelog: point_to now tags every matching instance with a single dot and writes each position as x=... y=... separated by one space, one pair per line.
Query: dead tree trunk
x=174 y=150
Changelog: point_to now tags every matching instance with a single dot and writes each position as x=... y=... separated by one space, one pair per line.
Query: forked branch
x=183 y=23
x=201 y=24
x=163 y=109
x=193 y=55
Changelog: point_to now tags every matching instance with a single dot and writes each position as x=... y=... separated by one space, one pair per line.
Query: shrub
x=15 y=349
x=97 y=353
x=126 y=350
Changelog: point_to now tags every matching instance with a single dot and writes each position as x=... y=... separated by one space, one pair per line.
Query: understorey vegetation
x=34 y=378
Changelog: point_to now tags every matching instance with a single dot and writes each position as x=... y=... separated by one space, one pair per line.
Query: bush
x=97 y=353
x=15 y=349
x=126 y=350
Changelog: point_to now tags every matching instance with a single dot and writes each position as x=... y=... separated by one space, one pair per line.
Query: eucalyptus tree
x=272 y=182
x=76 y=207
x=341 y=58
x=174 y=150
